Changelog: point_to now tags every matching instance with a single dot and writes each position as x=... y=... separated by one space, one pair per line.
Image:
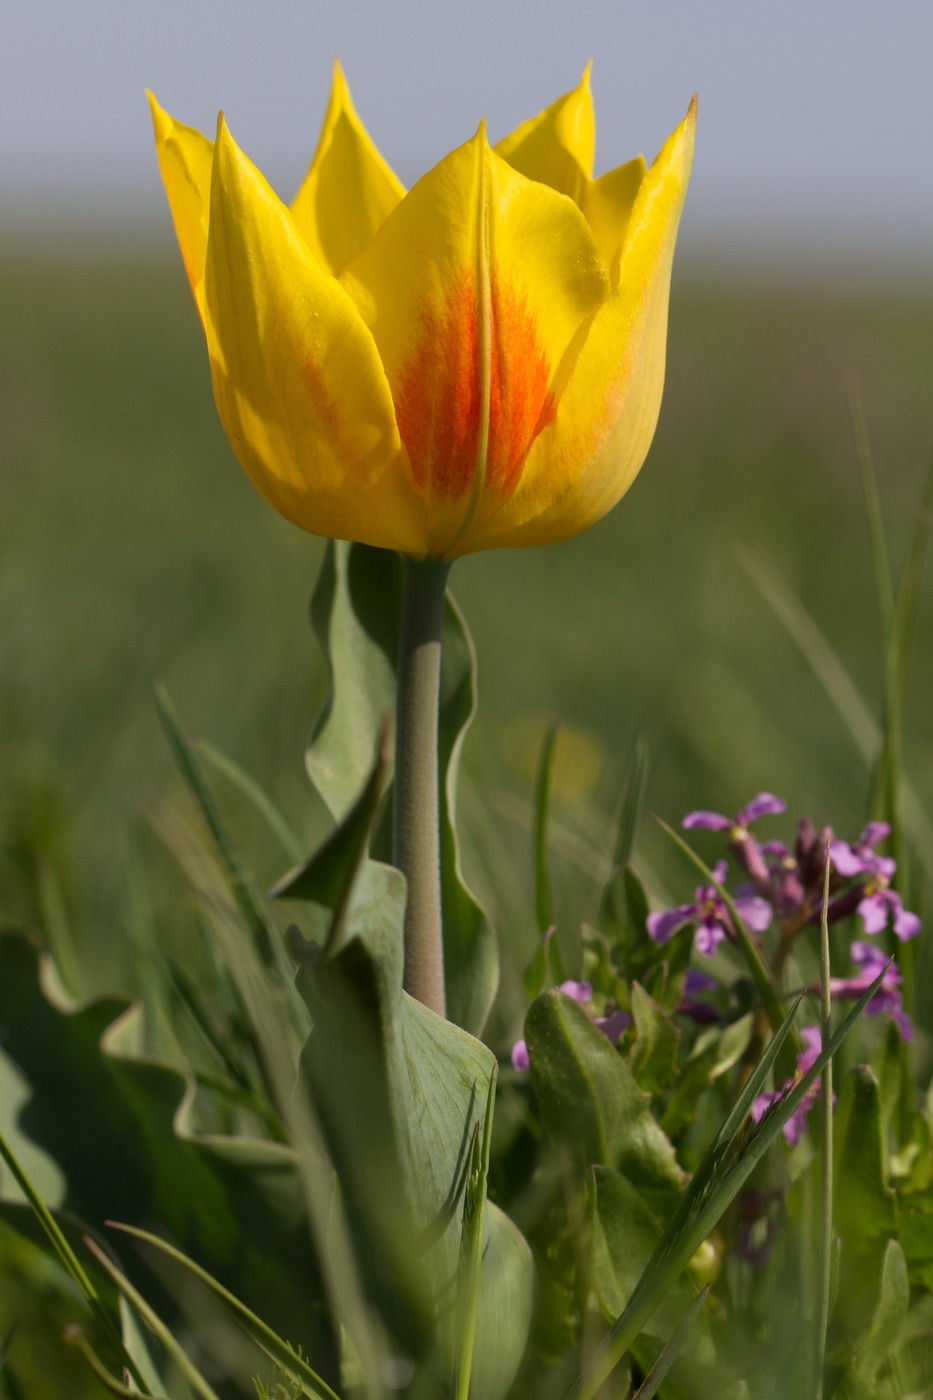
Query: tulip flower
x=473 y=364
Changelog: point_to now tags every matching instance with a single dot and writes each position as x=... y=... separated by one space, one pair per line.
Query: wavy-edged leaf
x=355 y=613
x=120 y=1128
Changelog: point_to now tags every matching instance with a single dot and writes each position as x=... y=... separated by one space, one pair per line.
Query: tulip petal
x=607 y=205
x=477 y=289
x=556 y=147
x=585 y=460
x=297 y=378
x=348 y=190
x=185 y=158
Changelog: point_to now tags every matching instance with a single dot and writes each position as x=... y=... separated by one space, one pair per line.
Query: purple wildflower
x=764 y=805
x=879 y=903
x=711 y=916
x=870 y=960
x=796 y=1125
x=862 y=859
x=742 y=844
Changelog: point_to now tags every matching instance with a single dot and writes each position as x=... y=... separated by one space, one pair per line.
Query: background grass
x=134 y=548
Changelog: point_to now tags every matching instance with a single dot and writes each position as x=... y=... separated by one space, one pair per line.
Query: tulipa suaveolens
x=476 y=363
x=473 y=364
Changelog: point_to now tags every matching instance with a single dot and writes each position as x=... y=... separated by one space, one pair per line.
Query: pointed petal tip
x=339 y=87
x=161 y=121
x=584 y=82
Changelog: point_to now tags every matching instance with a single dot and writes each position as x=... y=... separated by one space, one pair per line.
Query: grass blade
x=836 y=681
x=270 y=1342
x=471 y=1249
x=261 y=801
x=75 y=1337
x=543 y=904
x=879 y=547
x=183 y=752
x=908 y=589
x=69 y=1259
x=155 y=1324
x=652 y=1382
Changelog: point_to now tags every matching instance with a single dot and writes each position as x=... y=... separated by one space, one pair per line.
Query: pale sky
x=815 y=132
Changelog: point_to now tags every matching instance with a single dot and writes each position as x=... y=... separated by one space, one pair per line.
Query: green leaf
x=883 y=1336
x=546 y=967
x=398 y=1092
x=589 y=1098
x=622 y=922
x=355 y=611
x=328 y=875
x=653 y=1056
x=865 y=1206
x=471 y=959
x=625 y=1235
x=120 y=1128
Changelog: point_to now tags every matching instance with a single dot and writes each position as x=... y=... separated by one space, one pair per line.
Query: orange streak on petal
x=439 y=398
x=520 y=404
x=438 y=401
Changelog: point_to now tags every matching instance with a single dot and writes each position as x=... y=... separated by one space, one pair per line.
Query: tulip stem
x=415 y=811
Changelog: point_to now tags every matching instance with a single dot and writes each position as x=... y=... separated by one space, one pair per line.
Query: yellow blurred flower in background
x=473 y=364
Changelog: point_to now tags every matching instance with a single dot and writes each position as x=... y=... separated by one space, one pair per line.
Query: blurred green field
x=133 y=548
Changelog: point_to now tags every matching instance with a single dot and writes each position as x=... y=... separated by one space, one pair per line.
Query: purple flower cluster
x=611 y=1026
x=785 y=887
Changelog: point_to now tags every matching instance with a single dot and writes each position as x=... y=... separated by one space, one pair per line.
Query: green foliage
x=355 y=610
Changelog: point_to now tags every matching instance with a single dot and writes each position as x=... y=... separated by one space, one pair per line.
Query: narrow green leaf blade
x=270 y=1342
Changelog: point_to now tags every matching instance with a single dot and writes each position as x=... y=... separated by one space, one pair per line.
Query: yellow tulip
x=476 y=363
